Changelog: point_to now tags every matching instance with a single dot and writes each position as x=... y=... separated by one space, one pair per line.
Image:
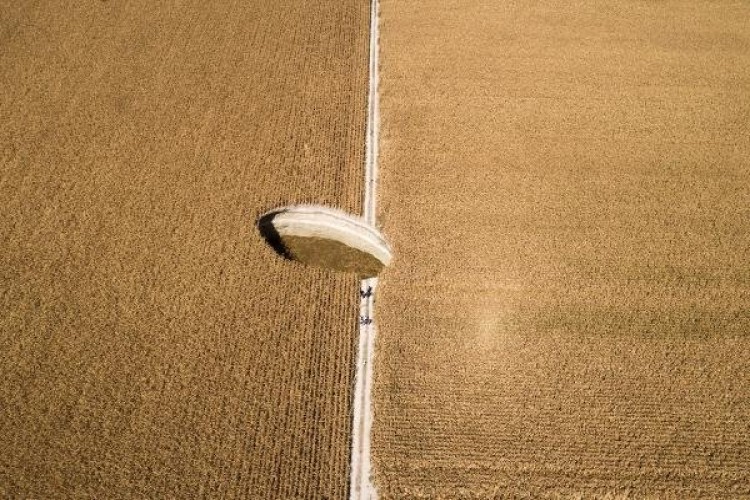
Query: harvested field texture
x=153 y=346
x=567 y=193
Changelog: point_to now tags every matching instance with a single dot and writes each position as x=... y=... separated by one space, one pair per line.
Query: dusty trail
x=567 y=191
x=152 y=345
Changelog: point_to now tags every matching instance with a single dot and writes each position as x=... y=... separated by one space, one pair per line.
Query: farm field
x=567 y=193
x=152 y=345
x=566 y=190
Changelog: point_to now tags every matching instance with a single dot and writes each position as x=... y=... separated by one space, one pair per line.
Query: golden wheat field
x=152 y=345
x=567 y=191
x=564 y=189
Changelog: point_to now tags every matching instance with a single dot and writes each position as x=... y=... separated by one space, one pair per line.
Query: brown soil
x=152 y=345
x=567 y=192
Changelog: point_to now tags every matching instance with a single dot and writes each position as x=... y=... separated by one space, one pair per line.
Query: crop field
x=152 y=345
x=565 y=189
x=567 y=192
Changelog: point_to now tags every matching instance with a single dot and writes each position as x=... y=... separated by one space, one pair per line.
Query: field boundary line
x=360 y=482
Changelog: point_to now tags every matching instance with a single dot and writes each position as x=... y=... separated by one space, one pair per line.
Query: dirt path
x=567 y=190
x=152 y=345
